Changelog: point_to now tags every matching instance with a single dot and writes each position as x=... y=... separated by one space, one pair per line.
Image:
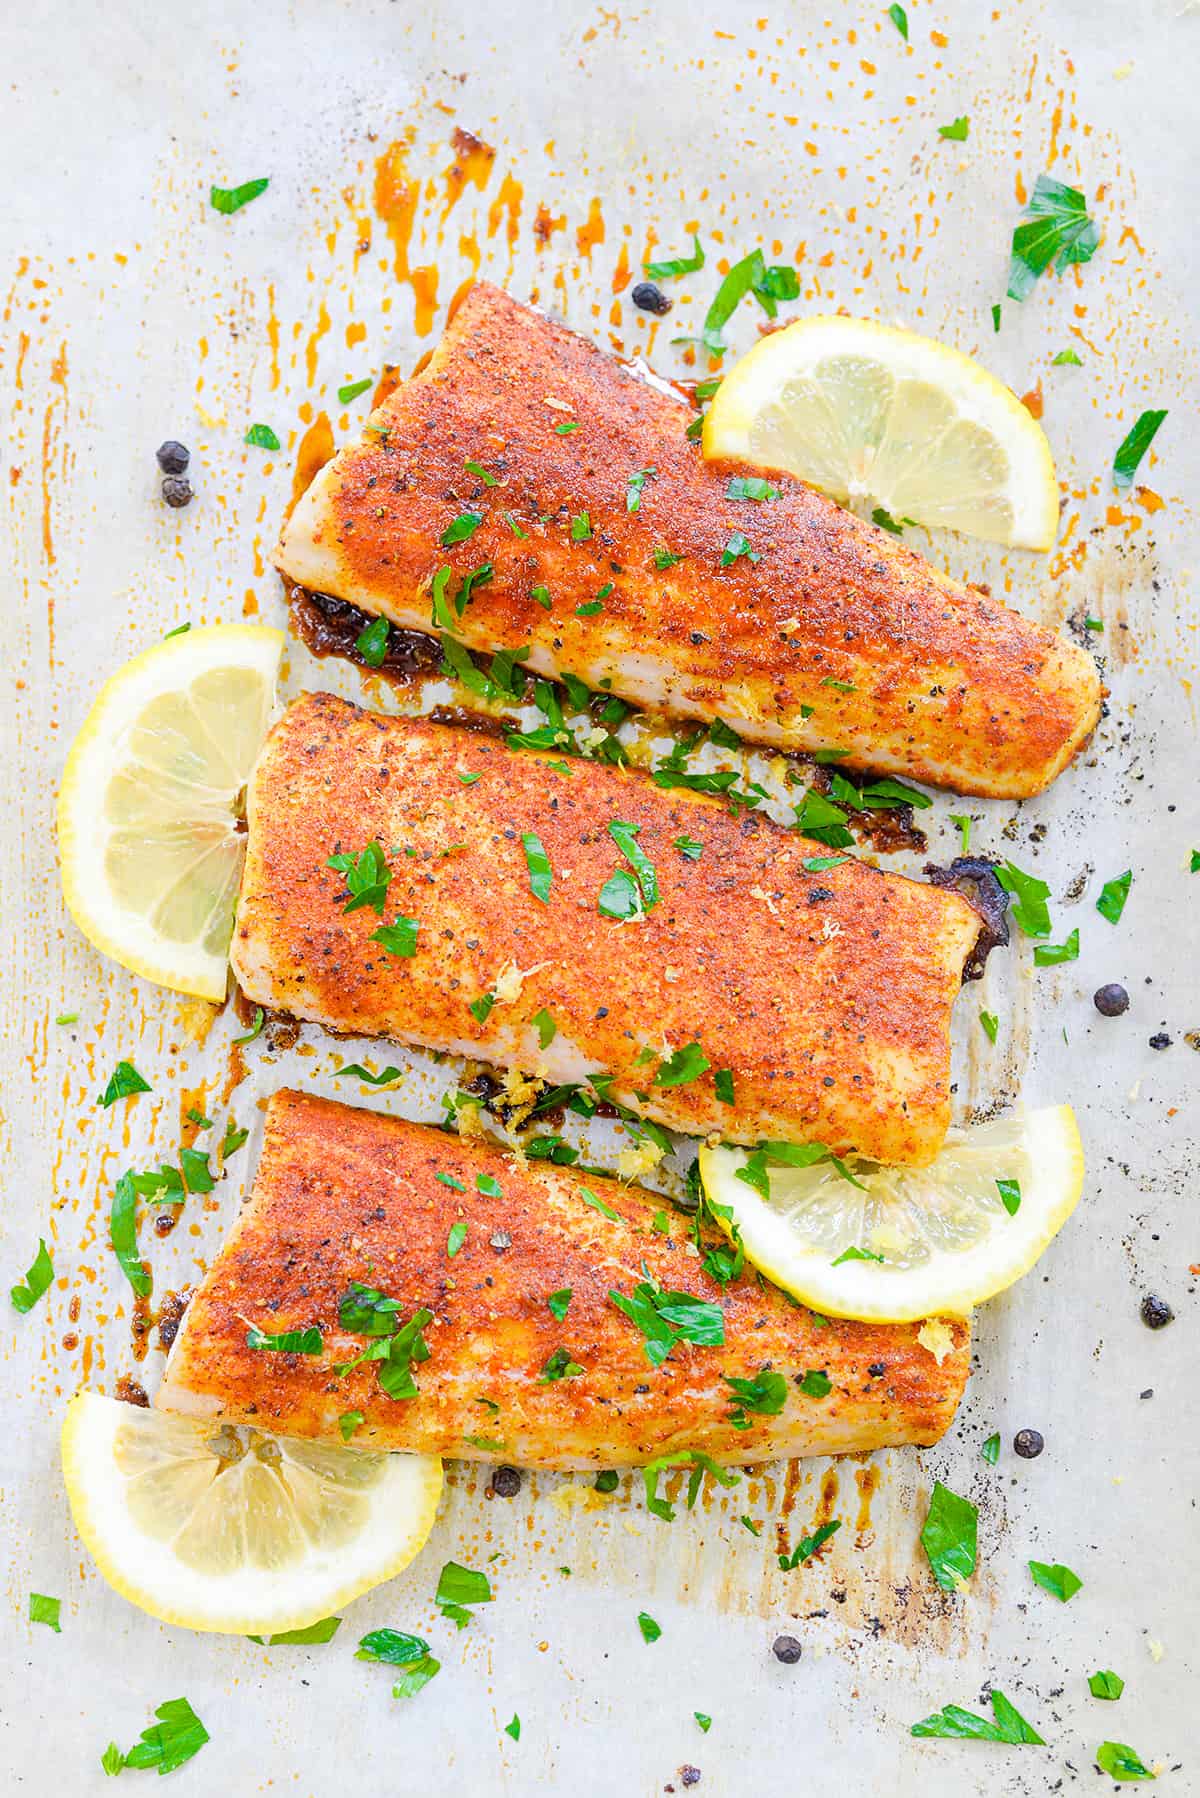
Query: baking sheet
x=132 y=312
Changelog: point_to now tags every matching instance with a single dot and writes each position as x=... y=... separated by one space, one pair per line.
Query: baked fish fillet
x=344 y=1195
x=825 y=993
x=831 y=634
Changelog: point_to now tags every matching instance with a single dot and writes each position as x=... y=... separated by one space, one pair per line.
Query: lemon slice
x=227 y=1529
x=151 y=800
x=947 y=1238
x=871 y=414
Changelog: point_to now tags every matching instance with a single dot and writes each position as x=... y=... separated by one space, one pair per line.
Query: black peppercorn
x=1156 y=1313
x=177 y=490
x=506 y=1482
x=1110 y=1001
x=1160 y=1040
x=1029 y=1444
x=173 y=457
x=689 y=1776
x=787 y=1650
x=649 y=298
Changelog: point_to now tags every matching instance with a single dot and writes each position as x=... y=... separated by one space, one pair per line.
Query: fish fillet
x=831 y=635
x=344 y=1195
x=824 y=993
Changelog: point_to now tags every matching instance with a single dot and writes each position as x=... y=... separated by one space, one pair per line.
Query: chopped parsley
x=122 y=1230
x=261 y=437
x=750 y=486
x=67 y=1017
x=1066 y=358
x=560 y=1366
x=899 y=19
x=664 y=558
x=677 y=265
x=372 y=643
x=581 y=528
x=589 y=1198
x=38 y=1281
x=633 y=488
x=481 y=1008
x=949 y=1537
x=352 y=390
x=853 y=1253
x=538 y=863
x=990 y=1023
x=123 y=1083
x=620 y=897
x=513 y=1729
x=399 y=939
x=995 y=318
x=956 y=130
x=682 y=1067
x=455 y=1240
x=700 y=1464
x=625 y=837
x=232 y=199
x=1121 y=1762
x=1134 y=447
x=367 y=877
x=566 y=427
x=450 y=1181
x=179 y=1733
x=255 y=1030
x=1054 y=1577
x=460 y=528
x=766 y=1394
x=651 y=1631
x=1046 y=955
x=1056 y=233
x=1106 y=1685
x=807 y=1546
x=991 y=1450
x=545 y=1026
x=558 y=1302
x=962 y=823
x=704 y=1722
x=816 y=1384
x=738 y=545
x=823 y=821
x=953 y=1721
x=723 y=1081
x=688 y=847
x=287 y=1342
x=459 y=1586
x=1030 y=894
x=348 y=1422
x=356 y=1071
x=311 y=1637
x=45 y=1610
x=665 y=1318
x=396 y=1347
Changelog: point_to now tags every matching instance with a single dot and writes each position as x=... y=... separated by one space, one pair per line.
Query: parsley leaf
x=899 y=19
x=1066 y=358
x=1046 y=955
x=255 y=1030
x=261 y=437
x=766 y=1393
x=38 y=1281
x=750 y=486
x=287 y=1342
x=991 y=1450
x=853 y=1253
x=348 y=1422
x=455 y=1240
x=704 y=1722
x=355 y=1070
x=399 y=939
x=677 y=265
x=700 y=1464
x=949 y=1537
x=538 y=863
x=687 y=846
x=816 y=1384
x=545 y=1026
x=367 y=877
x=620 y=897
x=1010 y=1195
x=953 y=1721
x=1134 y=447
x=962 y=823
x=1113 y=895
x=460 y=528
x=625 y=837
x=46 y=1610
x=559 y=1366
x=807 y=1546
x=957 y=130
x=738 y=545
x=352 y=390
x=311 y=1637
x=663 y=558
x=1057 y=232
x=557 y=1302
x=513 y=1729
x=1106 y=1685
x=651 y=1631
x=1054 y=1577
x=123 y=1083
x=458 y=1585
x=665 y=1318
x=990 y=1023
x=122 y=1230
x=416 y=1676
x=372 y=643
x=167 y=1744
x=1121 y=1762
x=633 y=488
x=232 y=199
x=1030 y=894
x=682 y=1067
x=581 y=527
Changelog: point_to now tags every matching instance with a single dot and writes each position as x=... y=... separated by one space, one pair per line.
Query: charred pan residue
x=974 y=876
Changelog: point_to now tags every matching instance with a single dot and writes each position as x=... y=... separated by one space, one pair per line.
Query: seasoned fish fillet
x=825 y=993
x=830 y=634
x=344 y=1195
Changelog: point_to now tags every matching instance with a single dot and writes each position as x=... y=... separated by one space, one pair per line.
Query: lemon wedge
x=905 y=1243
x=886 y=419
x=151 y=801
x=218 y=1528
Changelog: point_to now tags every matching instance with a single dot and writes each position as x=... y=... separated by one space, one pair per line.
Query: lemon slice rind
x=1042 y=1150
x=961 y=450
x=100 y=759
x=396 y=1494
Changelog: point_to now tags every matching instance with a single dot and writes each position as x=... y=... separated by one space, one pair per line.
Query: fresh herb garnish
x=633 y=488
x=962 y=824
x=566 y=427
x=255 y=1030
x=38 y=1281
x=455 y=1240
x=991 y=1450
x=46 y=1610
x=167 y=1744
x=458 y=1587
x=953 y=1721
x=766 y=1394
x=489 y=1186
x=665 y=1318
x=1047 y=955
x=620 y=897
x=807 y=1546
x=957 y=130
x=688 y=847
x=287 y=1342
x=700 y=1464
x=400 y=938
x=538 y=862
x=559 y=1366
x=990 y=1023
x=348 y=1422
x=1106 y=1685
x=1134 y=447
x=651 y=1631
x=682 y=1067
x=853 y=1253
x=122 y=1230
x=823 y=821
x=311 y=1637
x=261 y=437
x=816 y=1384
x=1066 y=358
x=723 y=1082
x=123 y=1083
x=885 y=521
x=356 y=1071
x=481 y=1008
x=704 y=1722
x=817 y=864
x=197 y=1175
x=367 y=877
x=1056 y=232
x=625 y=837
x=750 y=486
x=581 y=527
x=1030 y=894
x=899 y=19
x=460 y=528
x=513 y=1729
x=738 y=545
x=545 y=1026
x=995 y=318
x=1054 y=1577
x=949 y=1537
x=558 y=1302
x=1121 y=1762
x=232 y=199
x=663 y=558
x=352 y=390
x=589 y=1198
x=677 y=265
x=372 y=643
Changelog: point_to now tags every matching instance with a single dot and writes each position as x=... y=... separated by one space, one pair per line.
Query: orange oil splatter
x=473 y=161
x=1033 y=401
x=591 y=232
x=316 y=448
x=396 y=197
x=425 y=289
